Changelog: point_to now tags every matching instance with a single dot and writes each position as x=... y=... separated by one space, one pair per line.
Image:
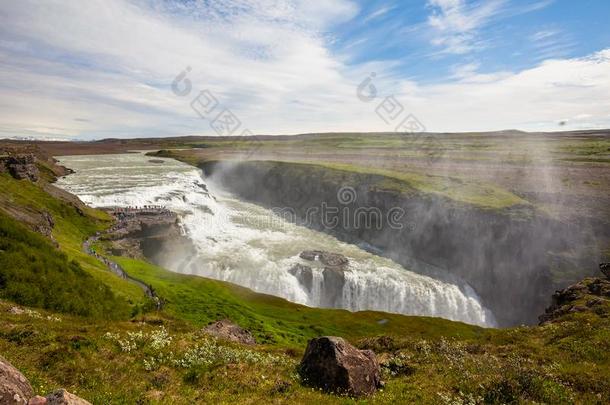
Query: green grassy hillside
x=34 y=273
x=73 y=223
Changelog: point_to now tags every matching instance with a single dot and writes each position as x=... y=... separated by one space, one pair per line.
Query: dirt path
x=119 y=271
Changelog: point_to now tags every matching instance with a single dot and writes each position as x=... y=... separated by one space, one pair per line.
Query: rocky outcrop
x=63 y=397
x=46 y=225
x=150 y=233
x=332 y=364
x=334 y=281
x=592 y=294
x=21 y=167
x=14 y=387
x=326 y=258
x=227 y=330
x=304 y=274
x=335 y=265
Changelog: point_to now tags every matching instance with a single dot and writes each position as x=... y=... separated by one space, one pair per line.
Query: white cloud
x=465 y=70
x=378 y=13
x=533 y=99
x=103 y=68
x=456 y=22
x=551 y=43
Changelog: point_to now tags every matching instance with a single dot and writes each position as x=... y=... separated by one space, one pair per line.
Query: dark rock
x=310 y=255
x=228 y=330
x=281 y=387
x=592 y=292
x=159 y=161
x=304 y=274
x=63 y=397
x=14 y=387
x=49 y=218
x=326 y=258
x=578 y=308
x=21 y=167
x=595 y=302
x=334 y=280
x=600 y=287
x=605 y=268
x=332 y=364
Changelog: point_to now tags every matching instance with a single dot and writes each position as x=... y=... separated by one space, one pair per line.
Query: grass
x=275 y=321
x=469 y=192
x=159 y=359
x=73 y=224
x=463 y=191
x=34 y=273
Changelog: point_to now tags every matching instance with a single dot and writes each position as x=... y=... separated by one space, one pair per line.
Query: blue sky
x=104 y=68
x=509 y=35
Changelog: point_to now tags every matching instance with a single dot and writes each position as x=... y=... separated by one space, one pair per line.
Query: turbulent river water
x=248 y=245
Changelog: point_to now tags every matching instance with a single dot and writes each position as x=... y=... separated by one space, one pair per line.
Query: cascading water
x=248 y=245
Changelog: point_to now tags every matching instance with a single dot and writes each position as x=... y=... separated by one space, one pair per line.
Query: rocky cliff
x=147 y=233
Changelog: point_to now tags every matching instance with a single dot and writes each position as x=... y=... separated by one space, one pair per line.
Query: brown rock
x=63 y=397
x=228 y=330
x=37 y=400
x=334 y=365
x=14 y=387
x=16 y=311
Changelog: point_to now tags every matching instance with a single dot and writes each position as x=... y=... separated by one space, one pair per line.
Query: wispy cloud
x=551 y=43
x=456 y=22
x=378 y=13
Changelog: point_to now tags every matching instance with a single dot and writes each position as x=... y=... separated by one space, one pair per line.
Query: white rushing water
x=248 y=245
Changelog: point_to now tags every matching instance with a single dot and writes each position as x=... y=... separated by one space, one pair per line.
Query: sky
x=147 y=68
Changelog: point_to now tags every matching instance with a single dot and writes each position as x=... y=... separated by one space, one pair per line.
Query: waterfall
x=248 y=245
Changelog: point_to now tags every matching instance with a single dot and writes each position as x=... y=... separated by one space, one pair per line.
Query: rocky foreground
x=15 y=389
x=590 y=294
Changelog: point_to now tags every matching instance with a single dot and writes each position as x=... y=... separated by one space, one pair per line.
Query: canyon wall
x=503 y=254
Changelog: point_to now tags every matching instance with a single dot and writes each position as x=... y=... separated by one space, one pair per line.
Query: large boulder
x=227 y=330
x=332 y=364
x=14 y=387
x=63 y=397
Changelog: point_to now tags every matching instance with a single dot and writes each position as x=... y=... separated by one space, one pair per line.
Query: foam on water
x=248 y=245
